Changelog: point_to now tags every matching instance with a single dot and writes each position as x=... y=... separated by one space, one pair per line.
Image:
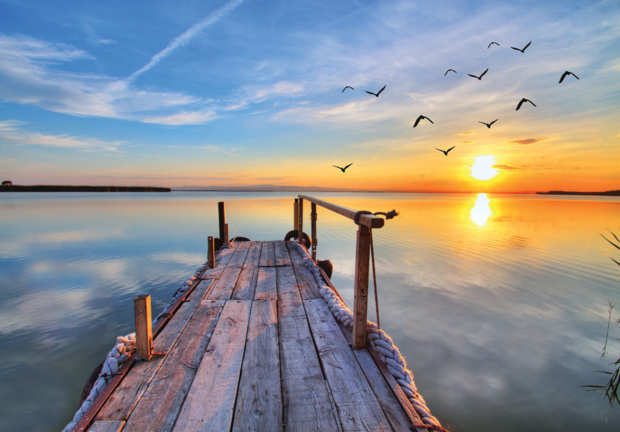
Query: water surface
x=498 y=302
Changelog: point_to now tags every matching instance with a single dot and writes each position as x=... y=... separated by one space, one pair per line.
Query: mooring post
x=360 y=300
x=211 y=252
x=222 y=219
x=144 y=326
x=296 y=215
x=313 y=218
x=300 y=231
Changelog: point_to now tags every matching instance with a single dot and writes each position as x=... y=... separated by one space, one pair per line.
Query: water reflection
x=481 y=210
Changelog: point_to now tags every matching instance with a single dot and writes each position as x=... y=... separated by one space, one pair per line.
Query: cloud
x=527 y=141
x=466 y=133
x=505 y=167
x=183 y=118
x=187 y=36
x=467 y=142
x=617 y=136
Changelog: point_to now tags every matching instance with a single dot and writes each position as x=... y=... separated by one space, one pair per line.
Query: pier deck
x=255 y=348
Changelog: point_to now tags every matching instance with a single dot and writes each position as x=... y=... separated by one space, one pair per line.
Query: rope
x=378 y=340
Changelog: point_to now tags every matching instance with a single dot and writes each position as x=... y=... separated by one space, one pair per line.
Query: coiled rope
x=378 y=340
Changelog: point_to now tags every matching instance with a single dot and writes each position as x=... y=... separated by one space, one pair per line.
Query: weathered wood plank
x=266 y=288
x=360 y=295
x=106 y=426
x=306 y=402
x=357 y=404
x=246 y=282
x=259 y=402
x=225 y=254
x=254 y=253
x=125 y=397
x=144 y=326
x=211 y=273
x=238 y=257
x=211 y=399
x=267 y=255
x=224 y=286
x=394 y=412
x=161 y=403
x=281 y=253
x=308 y=288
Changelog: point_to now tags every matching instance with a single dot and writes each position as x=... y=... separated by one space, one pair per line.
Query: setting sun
x=483 y=168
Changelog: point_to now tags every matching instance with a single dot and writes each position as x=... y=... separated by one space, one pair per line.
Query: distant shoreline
x=66 y=188
x=607 y=193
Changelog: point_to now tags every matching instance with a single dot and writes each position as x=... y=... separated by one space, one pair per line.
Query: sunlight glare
x=481 y=210
x=483 y=168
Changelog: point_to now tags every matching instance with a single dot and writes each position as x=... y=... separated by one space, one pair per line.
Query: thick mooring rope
x=125 y=346
x=379 y=341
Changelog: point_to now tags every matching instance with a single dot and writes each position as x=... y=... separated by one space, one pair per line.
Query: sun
x=483 y=168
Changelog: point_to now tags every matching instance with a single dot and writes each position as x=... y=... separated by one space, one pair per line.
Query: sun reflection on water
x=481 y=210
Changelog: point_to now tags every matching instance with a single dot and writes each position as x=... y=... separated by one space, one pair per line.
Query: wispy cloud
x=527 y=141
x=505 y=167
x=187 y=36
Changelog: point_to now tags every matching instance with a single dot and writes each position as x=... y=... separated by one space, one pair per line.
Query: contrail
x=188 y=36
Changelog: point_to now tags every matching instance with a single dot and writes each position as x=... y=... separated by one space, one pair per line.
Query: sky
x=247 y=92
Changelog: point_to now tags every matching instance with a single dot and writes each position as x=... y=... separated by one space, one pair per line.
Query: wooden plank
x=225 y=254
x=367 y=220
x=360 y=289
x=125 y=397
x=225 y=285
x=308 y=287
x=211 y=273
x=394 y=412
x=246 y=283
x=106 y=426
x=211 y=399
x=306 y=402
x=238 y=257
x=144 y=326
x=357 y=404
x=161 y=403
x=281 y=252
x=266 y=284
x=254 y=253
x=259 y=402
x=267 y=255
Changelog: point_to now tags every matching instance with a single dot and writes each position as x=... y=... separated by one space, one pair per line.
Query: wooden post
x=225 y=233
x=296 y=215
x=360 y=300
x=300 y=231
x=144 y=329
x=222 y=218
x=313 y=218
x=211 y=252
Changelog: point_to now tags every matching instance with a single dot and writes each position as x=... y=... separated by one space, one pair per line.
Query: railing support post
x=211 y=252
x=144 y=326
x=360 y=301
x=313 y=218
x=300 y=231
x=296 y=215
x=222 y=218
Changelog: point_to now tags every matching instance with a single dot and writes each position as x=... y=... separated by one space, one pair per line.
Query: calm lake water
x=499 y=303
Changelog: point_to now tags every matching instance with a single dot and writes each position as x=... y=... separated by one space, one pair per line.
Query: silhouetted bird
x=347 y=88
x=524 y=48
x=378 y=93
x=521 y=103
x=565 y=74
x=492 y=44
x=480 y=77
x=445 y=151
x=488 y=124
x=420 y=118
x=449 y=71
x=342 y=169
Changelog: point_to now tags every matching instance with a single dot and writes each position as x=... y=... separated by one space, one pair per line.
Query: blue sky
x=249 y=92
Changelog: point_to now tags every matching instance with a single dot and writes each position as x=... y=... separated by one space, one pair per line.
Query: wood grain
x=224 y=255
x=238 y=257
x=259 y=402
x=357 y=404
x=367 y=220
x=267 y=255
x=106 y=426
x=266 y=284
x=224 y=286
x=308 y=288
x=161 y=403
x=360 y=289
x=144 y=326
x=281 y=252
x=246 y=282
x=211 y=399
x=211 y=273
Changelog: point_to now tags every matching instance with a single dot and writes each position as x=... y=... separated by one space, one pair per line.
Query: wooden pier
x=253 y=346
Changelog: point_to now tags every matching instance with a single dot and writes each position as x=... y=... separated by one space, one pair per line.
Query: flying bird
x=378 y=93
x=492 y=44
x=420 y=118
x=521 y=103
x=449 y=71
x=488 y=124
x=565 y=74
x=480 y=77
x=445 y=151
x=343 y=169
x=347 y=88
x=524 y=48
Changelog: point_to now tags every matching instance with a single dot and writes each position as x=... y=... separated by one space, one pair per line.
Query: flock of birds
x=479 y=78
